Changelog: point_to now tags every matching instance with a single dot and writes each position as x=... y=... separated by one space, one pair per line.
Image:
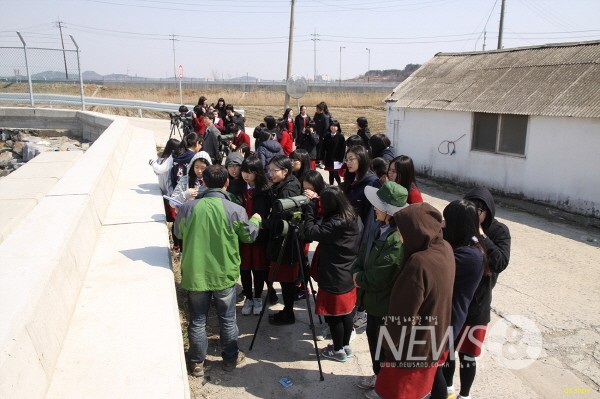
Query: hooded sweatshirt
x=497 y=241
x=421 y=299
x=180 y=193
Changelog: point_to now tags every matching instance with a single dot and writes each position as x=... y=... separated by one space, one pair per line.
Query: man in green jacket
x=211 y=228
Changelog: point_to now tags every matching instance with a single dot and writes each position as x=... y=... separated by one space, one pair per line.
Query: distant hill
x=387 y=75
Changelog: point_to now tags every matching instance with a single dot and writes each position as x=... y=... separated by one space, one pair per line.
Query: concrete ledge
x=125 y=336
x=87 y=298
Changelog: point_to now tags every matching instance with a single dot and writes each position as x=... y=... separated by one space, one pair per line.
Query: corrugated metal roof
x=553 y=80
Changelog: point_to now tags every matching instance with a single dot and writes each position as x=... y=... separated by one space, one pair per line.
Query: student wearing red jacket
x=284 y=137
x=240 y=137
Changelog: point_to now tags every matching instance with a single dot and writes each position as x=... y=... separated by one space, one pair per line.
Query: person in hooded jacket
x=338 y=234
x=266 y=147
x=285 y=185
x=191 y=183
x=414 y=331
x=233 y=163
x=378 y=264
x=495 y=237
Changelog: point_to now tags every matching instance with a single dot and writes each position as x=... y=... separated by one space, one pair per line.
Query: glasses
x=272 y=171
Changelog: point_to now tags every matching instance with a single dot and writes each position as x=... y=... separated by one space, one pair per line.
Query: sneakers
x=247 y=308
x=360 y=319
x=367 y=382
x=282 y=318
x=240 y=297
x=198 y=369
x=230 y=365
x=272 y=296
x=372 y=395
x=450 y=390
x=348 y=351
x=330 y=353
x=258 y=306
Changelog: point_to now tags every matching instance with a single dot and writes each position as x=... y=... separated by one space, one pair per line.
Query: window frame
x=498 y=134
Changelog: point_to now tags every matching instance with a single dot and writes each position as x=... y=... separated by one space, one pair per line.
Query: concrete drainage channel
x=18 y=146
x=85 y=281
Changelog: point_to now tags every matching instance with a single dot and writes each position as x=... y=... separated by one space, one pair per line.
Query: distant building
x=524 y=121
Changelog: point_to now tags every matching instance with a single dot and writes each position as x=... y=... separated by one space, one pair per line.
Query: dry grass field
x=345 y=106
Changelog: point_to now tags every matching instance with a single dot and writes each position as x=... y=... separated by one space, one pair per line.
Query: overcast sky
x=215 y=39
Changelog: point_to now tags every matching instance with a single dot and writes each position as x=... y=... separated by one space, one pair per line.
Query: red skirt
x=284 y=273
x=470 y=340
x=254 y=256
x=313 y=164
x=399 y=383
x=329 y=304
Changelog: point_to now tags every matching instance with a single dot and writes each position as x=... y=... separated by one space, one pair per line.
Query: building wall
x=561 y=165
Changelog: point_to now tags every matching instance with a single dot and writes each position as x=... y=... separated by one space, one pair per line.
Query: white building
x=523 y=121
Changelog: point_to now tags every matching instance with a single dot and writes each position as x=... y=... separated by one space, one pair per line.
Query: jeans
x=199 y=302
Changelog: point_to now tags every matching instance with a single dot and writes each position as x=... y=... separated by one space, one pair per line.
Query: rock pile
x=19 y=146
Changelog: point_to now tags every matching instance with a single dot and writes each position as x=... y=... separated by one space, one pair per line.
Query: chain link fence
x=37 y=70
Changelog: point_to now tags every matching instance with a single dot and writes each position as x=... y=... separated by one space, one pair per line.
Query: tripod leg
x=307 y=280
x=262 y=312
x=308 y=307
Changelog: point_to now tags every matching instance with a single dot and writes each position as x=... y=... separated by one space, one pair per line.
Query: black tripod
x=175 y=128
x=297 y=253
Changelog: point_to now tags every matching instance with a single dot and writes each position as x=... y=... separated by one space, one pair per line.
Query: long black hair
x=405 y=171
x=335 y=203
x=364 y=162
x=316 y=180
x=170 y=148
x=252 y=164
x=302 y=156
x=189 y=140
x=192 y=178
x=378 y=143
x=462 y=227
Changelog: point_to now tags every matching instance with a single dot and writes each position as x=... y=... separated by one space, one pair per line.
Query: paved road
x=546 y=306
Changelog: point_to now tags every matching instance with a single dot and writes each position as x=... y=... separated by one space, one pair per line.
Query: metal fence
x=31 y=69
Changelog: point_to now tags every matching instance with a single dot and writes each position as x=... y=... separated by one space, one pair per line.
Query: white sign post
x=180 y=73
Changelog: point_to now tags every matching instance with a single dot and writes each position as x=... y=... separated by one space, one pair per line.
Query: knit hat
x=390 y=198
x=234 y=158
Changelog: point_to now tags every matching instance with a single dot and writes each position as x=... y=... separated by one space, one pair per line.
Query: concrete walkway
x=546 y=306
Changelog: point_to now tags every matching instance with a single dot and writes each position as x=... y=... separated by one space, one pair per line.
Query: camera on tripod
x=291 y=209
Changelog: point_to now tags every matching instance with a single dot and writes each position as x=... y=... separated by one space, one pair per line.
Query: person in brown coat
x=415 y=331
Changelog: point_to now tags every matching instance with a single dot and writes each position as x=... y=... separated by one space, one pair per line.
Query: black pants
x=373 y=325
x=341 y=330
x=259 y=282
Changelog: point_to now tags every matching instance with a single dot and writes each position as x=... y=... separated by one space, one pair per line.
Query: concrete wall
x=560 y=164
x=44 y=264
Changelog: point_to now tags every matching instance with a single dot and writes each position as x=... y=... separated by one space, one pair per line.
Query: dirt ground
x=543 y=341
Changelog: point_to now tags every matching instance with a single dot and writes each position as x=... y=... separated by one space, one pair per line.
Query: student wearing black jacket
x=495 y=237
x=338 y=235
x=308 y=141
x=285 y=185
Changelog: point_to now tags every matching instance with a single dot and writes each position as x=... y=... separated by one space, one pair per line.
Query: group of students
x=384 y=258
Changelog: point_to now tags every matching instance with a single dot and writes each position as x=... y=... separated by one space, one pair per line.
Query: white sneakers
x=258 y=306
x=252 y=306
x=248 y=305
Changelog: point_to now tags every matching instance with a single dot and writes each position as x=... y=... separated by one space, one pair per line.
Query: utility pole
x=341 y=47
x=314 y=39
x=501 y=30
x=290 y=51
x=174 y=67
x=63 y=47
x=368 y=64
x=484 y=37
